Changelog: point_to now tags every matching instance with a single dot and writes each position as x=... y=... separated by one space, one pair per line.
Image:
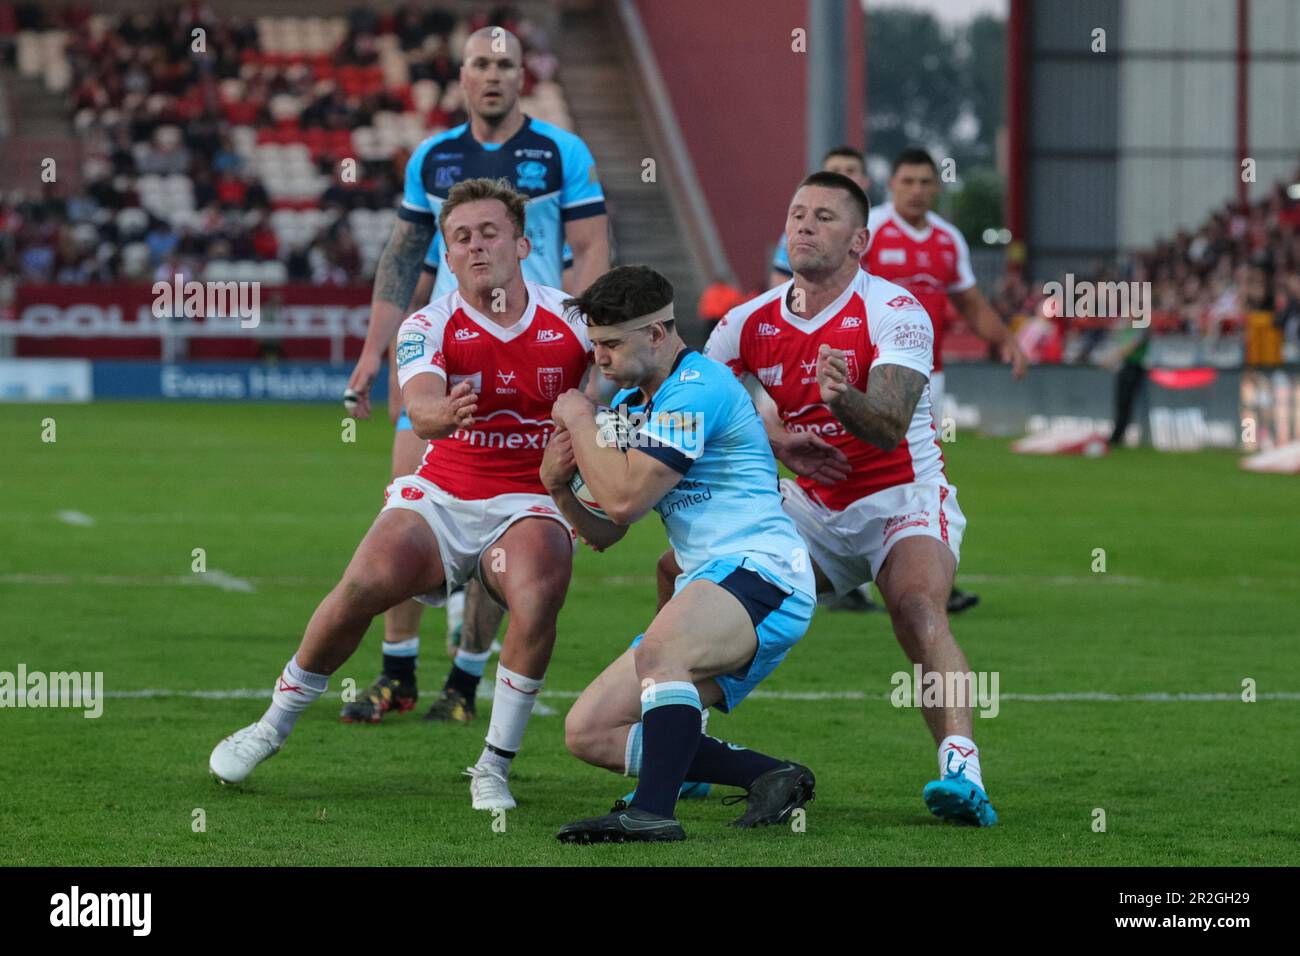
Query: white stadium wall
x=1128 y=146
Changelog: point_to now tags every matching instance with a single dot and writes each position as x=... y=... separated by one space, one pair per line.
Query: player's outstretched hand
x=832 y=373
x=811 y=456
x=569 y=406
x=461 y=404
x=558 y=461
x=1017 y=359
x=357 y=397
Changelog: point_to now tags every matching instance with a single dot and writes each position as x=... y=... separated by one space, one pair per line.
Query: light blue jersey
x=551 y=166
x=781 y=258
x=702 y=423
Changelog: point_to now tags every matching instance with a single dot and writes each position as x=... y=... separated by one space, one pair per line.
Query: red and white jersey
x=873 y=322
x=930 y=263
x=517 y=373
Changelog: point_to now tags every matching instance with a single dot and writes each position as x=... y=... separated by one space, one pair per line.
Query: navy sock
x=400 y=658
x=717 y=761
x=670 y=734
x=399 y=668
x=463 y=681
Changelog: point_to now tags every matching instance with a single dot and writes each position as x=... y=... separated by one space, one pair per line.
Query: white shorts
x=465 y=529
x=850 y=546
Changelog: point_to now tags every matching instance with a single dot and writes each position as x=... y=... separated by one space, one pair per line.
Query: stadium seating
x=262 y=126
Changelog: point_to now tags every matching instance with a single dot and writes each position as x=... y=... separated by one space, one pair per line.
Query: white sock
x=455 y=610
x=632 y=751
x=295 y=689
x=960 y=753
x=512 y=705
x=410 y=647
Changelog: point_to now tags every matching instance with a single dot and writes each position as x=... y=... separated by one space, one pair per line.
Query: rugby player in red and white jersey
x=846 y=358
x=912 y=246
x=480 y=370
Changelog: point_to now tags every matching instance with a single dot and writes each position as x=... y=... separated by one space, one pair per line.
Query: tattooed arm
x=396 y=275
x=881 y=414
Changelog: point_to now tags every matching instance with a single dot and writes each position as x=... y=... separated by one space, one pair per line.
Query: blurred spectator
x=718 y=299
x=184 y=133
x=1129 y=364
x=1263 y=330
x=1040 y=336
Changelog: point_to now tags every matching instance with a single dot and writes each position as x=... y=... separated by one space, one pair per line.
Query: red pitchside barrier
x=130 y=321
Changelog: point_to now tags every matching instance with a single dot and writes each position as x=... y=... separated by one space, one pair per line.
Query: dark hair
x=839 y=181
x=622 y=293
x=848 y=151
x=914 y=157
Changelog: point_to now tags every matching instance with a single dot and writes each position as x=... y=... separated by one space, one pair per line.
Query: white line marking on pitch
x=214 y=577
x=78 y=518
x=1065 y=697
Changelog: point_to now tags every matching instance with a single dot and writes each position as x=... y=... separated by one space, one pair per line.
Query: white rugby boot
x=235 y=757
x=489 y=789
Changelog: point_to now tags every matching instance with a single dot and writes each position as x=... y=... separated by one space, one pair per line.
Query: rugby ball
x=583 y=494
x=611 y=430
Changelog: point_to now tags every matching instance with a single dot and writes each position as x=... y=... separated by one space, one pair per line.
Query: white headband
x=599 y=333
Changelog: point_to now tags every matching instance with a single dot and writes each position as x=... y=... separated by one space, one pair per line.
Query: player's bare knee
x=649 y=657
x=922 y=617
x=533 y=612
x=369 y=593
x=581 y=736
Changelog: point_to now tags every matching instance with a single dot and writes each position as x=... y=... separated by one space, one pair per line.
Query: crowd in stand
x=1244 y=260
x=180 y=169
x=179 y=138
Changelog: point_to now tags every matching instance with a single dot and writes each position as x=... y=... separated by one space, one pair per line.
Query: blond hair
x=475 y=190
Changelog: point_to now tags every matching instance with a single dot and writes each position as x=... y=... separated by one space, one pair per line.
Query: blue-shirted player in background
x=566 y=223
x=696 y=452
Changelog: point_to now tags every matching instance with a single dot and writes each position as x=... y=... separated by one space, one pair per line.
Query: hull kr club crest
x=550 y=381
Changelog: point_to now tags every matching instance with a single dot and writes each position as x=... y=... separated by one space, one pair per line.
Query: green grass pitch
x=1199 y=593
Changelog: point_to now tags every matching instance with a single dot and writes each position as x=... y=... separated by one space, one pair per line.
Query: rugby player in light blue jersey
x=694 y=450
